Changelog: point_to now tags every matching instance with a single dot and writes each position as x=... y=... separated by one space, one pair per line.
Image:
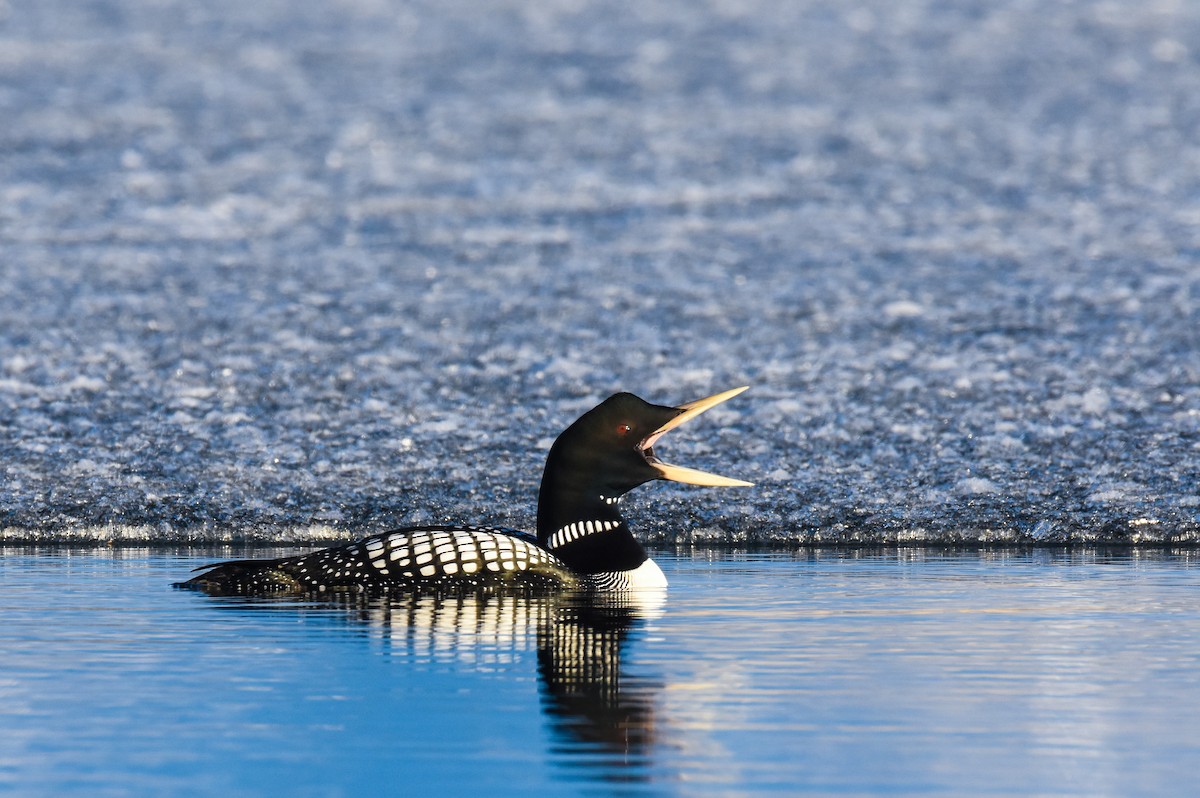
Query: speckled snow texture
x=297 y=270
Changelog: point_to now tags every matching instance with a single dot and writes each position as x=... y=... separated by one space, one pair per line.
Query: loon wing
x=430 y=556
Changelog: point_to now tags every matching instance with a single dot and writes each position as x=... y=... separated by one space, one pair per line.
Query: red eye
x=624 y=429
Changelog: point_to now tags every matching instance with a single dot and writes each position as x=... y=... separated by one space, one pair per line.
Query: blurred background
x=300 y=270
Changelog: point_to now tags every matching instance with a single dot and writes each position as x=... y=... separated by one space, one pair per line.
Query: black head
x=602 y=452
x=609 y=452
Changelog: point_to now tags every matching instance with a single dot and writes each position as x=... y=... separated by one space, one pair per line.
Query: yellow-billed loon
x=581 y=541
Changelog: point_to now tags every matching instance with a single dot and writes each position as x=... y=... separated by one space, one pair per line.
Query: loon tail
x=241 y=576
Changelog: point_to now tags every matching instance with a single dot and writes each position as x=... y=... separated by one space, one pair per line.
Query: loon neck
x=587 y=532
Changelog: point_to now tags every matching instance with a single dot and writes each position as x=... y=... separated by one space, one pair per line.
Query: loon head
x=606 y=453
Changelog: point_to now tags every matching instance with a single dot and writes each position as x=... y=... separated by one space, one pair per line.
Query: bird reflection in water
x=601 y=715
x=595 y=707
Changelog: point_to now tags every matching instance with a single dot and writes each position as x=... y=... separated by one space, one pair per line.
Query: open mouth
x=676 y=473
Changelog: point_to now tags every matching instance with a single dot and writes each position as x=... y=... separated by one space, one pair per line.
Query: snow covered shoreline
x=296 y=269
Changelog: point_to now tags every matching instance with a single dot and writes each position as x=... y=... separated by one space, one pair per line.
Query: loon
x=582 y=541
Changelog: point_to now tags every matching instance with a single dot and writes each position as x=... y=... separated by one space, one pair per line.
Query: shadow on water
x=600 y=716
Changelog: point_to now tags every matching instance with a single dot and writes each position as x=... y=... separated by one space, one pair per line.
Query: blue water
x=296 y=268
x=900 y=672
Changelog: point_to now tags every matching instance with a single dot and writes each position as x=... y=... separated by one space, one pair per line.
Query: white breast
x=647 y=576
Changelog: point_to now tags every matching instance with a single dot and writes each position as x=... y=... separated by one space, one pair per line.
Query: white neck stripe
x=579 y=529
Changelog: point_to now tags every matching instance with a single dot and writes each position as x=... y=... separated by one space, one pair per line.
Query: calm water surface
x=909 y=672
